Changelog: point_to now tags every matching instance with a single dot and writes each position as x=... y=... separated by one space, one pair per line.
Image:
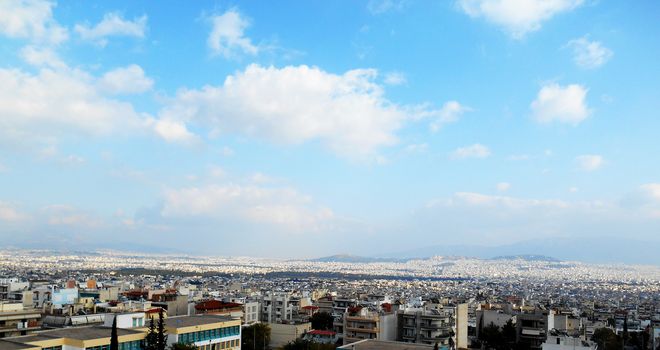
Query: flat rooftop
x=7 y=345
x=198 y=320
x=85 y=333
x=372 y=344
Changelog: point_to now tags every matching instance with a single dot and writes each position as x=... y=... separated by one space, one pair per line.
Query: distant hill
x=526 y=257
x=584 y=249
x=354 y=259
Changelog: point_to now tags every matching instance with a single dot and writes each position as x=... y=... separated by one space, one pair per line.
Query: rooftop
x=190 y=321
x=371 y=344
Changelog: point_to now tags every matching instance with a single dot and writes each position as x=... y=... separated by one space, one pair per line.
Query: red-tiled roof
x=320 y=332
x=216 y=305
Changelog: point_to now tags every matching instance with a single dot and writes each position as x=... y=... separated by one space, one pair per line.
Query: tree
x=322 y=321
x=255 y=337
x=151 y=340
x=492 y=337
x=114 y=339
x=509 y=334
x=607 y=339
x=161 y=339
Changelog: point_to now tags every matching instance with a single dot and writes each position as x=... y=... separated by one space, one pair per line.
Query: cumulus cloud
x=31 y=20
x=42 y=57
x=282 y=207
x=517 y=17
x=227 y=37
x=590 y=162
x=473 y=151
x=174 y=131
x=589 y=54
x=112 y=24
x=126 y=80
x=563 y=104
x=52 y=103
x=348 y=113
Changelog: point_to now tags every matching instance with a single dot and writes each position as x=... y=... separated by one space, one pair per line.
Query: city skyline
x=307 y=129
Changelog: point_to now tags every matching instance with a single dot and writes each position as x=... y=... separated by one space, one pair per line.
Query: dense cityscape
x=454 y=302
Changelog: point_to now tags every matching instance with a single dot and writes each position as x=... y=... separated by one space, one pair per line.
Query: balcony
x=362 y=330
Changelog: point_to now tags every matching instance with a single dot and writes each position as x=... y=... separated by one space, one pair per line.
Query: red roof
x=319 y=332
x=216 y=305
x=310 y=307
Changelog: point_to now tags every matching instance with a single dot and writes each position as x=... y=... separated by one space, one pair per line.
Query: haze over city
x=307 y=129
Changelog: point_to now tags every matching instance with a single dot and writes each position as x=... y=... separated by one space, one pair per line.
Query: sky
x=307 y=128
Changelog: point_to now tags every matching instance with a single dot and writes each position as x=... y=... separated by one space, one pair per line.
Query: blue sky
x=309 y=128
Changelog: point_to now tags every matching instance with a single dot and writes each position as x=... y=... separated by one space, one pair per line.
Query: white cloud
x=652 y=190
x=561 y=104
x=227 y=36
x=590 y=162
x=31 y=20
x=503 y=186
x=395 y=78
x=9 y=213
x=126 y=80
x=112 y=24
x=573 y=189
x=174 y=131
x=589 y=54
x=348 y=113
x=283 y=207
x=517 y=17
x=473 y=151
x=450 y=112
x=42 y=57
x=37 y=109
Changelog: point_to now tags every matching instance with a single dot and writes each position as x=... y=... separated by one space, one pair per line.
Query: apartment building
x=446 y=327
x=366 y=324
x=276 y=307
x=16 y=320
x=532 y=328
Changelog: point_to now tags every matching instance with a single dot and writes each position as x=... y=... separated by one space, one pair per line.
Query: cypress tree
x=151 y=339
x=114 y=339
x=161 y=342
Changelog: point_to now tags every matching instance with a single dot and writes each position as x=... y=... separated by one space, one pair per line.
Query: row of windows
x=210 y=334
x=129 y=345
x=53 y=348
x=224 y=345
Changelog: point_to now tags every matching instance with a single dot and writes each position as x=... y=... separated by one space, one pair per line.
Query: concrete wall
x=281 y=334
x=462 y=326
